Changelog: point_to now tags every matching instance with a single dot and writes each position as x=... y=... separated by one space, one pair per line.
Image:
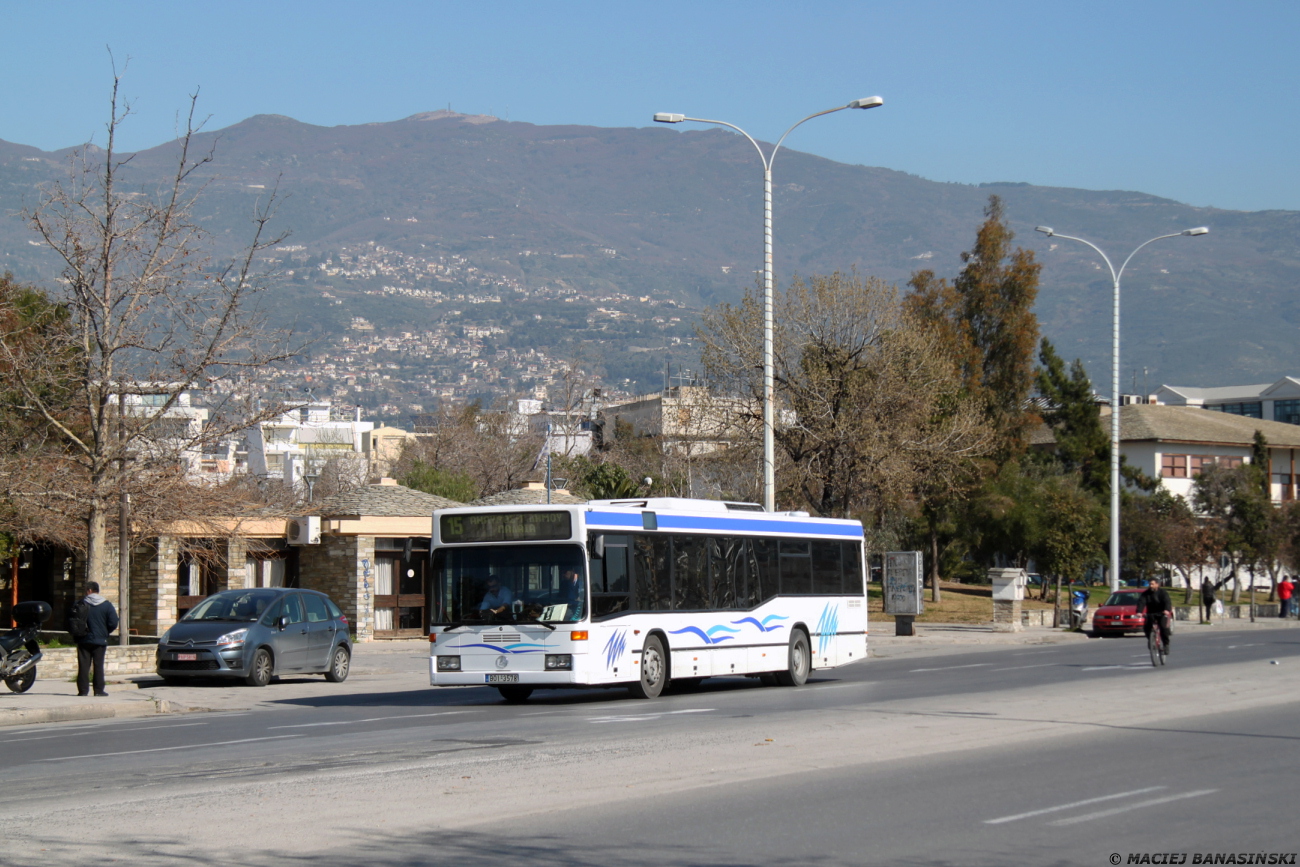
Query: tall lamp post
x=1114 y=379
x=769 y=421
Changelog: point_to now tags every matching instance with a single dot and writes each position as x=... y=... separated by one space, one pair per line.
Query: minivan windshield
x=238 y=605
x=509 y=584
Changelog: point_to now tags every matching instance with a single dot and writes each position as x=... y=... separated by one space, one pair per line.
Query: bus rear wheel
x=515 y=694
x=799 y=661
x=654 y=670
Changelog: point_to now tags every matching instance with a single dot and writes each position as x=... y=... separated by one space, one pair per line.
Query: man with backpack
x=93 y=619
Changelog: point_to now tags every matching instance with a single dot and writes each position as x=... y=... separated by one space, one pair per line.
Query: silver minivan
x=256 y=634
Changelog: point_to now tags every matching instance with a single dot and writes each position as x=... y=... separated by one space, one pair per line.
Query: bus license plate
x=502 y=678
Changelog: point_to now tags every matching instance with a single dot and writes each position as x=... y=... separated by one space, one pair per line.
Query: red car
x=1118 y=614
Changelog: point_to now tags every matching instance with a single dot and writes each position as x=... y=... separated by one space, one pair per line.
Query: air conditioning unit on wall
x=304 y=531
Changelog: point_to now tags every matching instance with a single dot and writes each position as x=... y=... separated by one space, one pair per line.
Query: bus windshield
x=509 y=584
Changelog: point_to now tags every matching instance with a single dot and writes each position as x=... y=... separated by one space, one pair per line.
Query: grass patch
x=960 y=603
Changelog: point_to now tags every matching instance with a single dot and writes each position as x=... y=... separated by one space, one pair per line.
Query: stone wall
x=60 y=663
x=342 y=567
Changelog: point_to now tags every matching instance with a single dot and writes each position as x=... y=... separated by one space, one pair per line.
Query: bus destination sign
x=506 y=527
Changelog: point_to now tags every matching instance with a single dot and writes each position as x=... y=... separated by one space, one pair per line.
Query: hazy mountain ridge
x=681 y=212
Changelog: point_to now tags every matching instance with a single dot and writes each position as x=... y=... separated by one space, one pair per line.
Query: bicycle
x=1156 y=644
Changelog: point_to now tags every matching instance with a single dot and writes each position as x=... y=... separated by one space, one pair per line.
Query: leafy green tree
x=1233 y=499
x=986 y=315
x=1071 y=412
x=440 y=482
x=603 y=480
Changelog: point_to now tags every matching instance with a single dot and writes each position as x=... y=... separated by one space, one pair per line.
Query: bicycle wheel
x=1160 y=647
x=1153 y=645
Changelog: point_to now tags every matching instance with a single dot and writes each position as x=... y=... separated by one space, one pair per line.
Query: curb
x=78 y=712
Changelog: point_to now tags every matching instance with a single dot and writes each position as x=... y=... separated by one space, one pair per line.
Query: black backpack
x=79 y=619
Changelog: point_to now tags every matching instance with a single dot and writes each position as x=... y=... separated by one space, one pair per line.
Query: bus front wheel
x=799 y=661
x=654 y=670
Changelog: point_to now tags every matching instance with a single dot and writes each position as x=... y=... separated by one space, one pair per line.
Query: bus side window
x=690 y=573
x=853 y=581
x=762 y=570
x=796 y=567
x=726 y=566
x=653 y=557
x=826 y=569
x=609 y=581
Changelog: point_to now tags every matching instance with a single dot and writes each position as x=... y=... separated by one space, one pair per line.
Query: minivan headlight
x=232 y=638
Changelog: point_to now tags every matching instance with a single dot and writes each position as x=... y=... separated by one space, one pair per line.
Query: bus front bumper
x=557 y=679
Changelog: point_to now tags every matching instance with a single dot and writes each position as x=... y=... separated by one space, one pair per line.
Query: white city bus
x=638 y=593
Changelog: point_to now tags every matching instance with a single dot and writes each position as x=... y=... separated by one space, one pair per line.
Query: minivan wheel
x=259 y=673
x=339 y=664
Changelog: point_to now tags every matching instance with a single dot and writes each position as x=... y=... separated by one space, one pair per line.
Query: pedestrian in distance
x=1285 y=590
x=1208 y=597
x=93 y=619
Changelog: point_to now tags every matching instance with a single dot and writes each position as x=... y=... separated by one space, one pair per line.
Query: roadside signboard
x=902 y=583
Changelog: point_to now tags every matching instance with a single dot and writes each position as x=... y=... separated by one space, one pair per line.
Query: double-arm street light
x=1114 y=380
x=769 y=422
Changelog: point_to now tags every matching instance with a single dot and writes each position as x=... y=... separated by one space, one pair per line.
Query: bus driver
x=497 y=599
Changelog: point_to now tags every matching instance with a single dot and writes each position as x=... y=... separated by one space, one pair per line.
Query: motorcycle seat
x=12 y=640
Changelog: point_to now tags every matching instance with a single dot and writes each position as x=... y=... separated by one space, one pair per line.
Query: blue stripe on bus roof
x=667 y=521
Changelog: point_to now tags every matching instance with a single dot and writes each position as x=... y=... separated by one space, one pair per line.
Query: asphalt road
x=1027 y=755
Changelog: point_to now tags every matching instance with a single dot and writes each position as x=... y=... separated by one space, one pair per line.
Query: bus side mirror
x=598 y=547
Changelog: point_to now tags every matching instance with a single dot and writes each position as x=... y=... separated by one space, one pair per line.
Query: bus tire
x=515 y=694
x=654 y=670
x=799 y=661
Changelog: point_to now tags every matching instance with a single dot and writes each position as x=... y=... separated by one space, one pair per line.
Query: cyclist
x=1158 y=607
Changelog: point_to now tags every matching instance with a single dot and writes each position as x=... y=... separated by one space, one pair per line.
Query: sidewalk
x=402 y=666
x=379 y=665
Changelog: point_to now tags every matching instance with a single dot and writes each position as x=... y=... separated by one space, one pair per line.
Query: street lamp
x=1114 y=380
x=769 y=459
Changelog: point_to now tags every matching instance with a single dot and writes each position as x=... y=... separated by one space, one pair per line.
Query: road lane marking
x=19 y=740
x=1127 y=666
x=642 y=717
x=166 y=749
x=1018 y=667
x=1070 y=806
x=351 y=722
x=1102 y=814
x=952 y=667
x=1235 y=646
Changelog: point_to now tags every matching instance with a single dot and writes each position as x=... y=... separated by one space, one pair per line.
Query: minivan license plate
x=502 y=678
x=187 y=657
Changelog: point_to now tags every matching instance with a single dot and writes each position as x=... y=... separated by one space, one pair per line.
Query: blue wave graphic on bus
x=763 y=627
x=510 y=648
x=614 y=647
x=710 y=637
x=827 y=626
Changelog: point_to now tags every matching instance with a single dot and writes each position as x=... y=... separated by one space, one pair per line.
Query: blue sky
x=1196 y=101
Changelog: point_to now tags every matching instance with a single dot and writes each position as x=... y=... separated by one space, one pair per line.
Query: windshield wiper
x=450 y=626
x=538 y=622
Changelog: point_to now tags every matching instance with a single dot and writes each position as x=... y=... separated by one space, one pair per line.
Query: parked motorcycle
x=19 y=648
x=1078 y=609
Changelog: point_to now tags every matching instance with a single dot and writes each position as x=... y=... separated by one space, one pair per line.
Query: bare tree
x=151 y=315
x=873 y=408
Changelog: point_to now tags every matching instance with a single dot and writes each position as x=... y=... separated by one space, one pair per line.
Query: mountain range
x=677 y=215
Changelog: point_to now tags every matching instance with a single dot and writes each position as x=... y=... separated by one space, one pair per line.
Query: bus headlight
x=449 y=663
x=559 y=662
